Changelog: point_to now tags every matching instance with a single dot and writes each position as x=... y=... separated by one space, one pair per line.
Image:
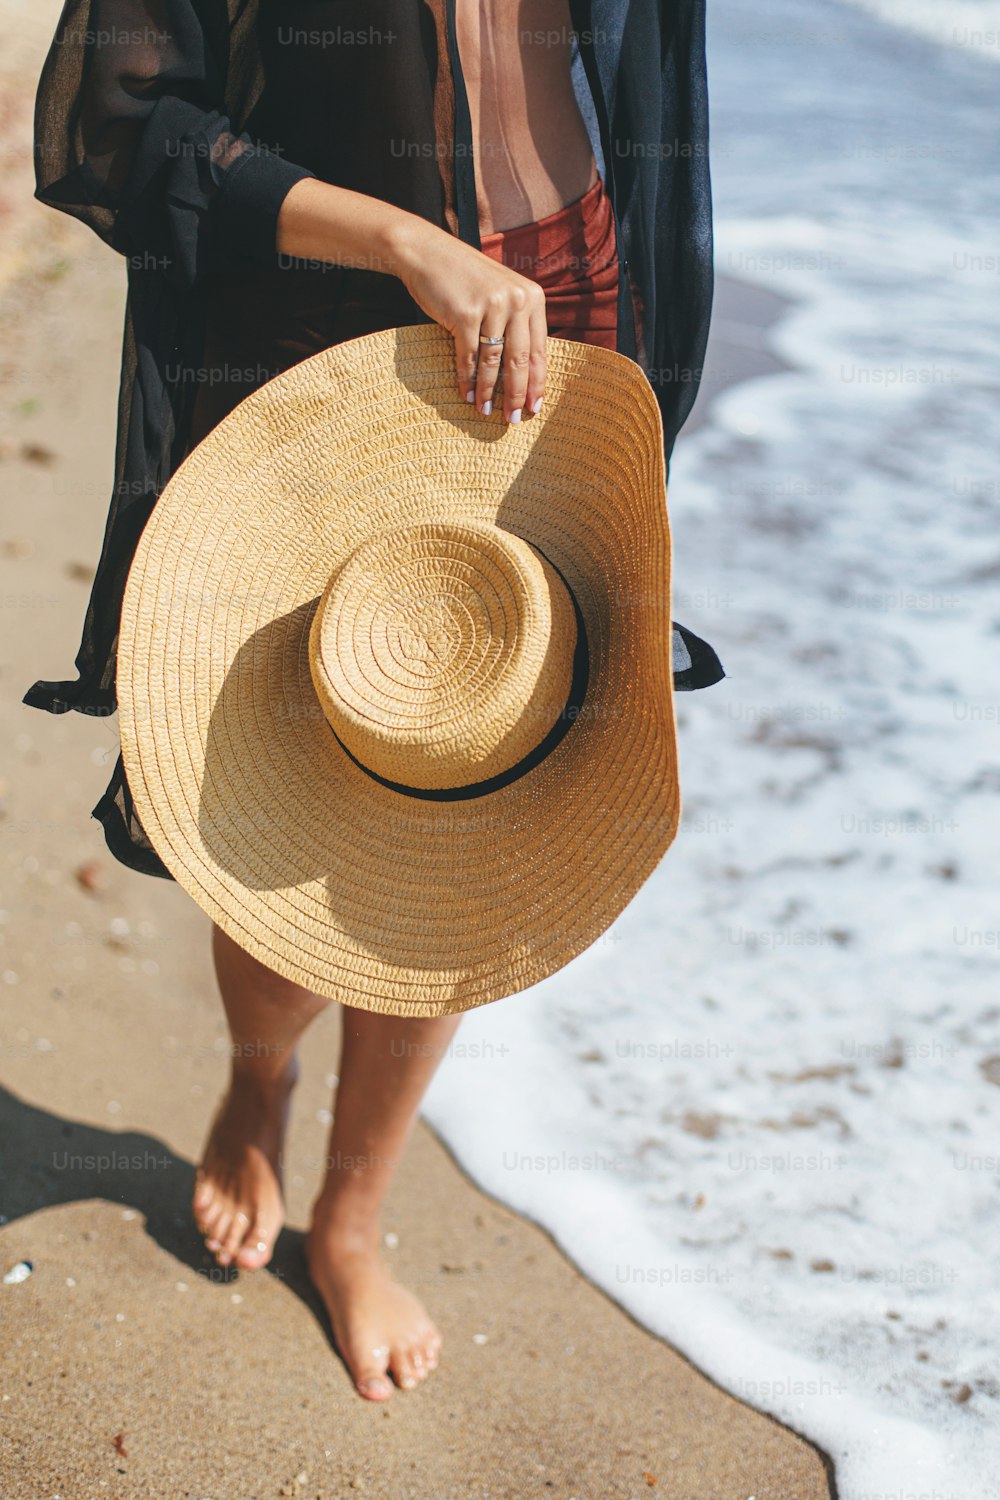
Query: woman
x=283 y=176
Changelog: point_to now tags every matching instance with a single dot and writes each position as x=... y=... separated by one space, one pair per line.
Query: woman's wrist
x=407 y=240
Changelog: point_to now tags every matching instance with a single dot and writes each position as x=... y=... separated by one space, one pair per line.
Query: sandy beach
x=130 y=1364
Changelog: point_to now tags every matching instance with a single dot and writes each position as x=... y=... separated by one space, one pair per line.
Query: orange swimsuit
x=573 y=256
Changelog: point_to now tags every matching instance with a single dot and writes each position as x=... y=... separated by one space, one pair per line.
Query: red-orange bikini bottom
x=573 y=256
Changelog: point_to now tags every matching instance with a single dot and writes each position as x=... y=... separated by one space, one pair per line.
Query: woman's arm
x=455 y=284
x=131 y=136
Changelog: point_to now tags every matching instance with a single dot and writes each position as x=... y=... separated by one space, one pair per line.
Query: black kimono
x=175 y=128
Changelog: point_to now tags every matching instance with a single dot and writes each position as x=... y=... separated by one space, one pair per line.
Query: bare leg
x=238 y=1202
x=386 y=1064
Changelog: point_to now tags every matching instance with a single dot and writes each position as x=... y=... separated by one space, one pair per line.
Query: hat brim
x=361 y=893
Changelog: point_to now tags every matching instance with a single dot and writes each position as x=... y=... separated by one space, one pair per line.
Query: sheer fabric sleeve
x=131 y=136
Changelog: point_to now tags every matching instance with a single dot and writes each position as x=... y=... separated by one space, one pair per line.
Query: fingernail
x=515 y=415
x=486 y=408
x=536 y=406
x=470 y=395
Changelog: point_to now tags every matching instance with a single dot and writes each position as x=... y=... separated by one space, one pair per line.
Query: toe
x=209 y=1218
x=431 y=1348
x=220 y=1233
x=374 y=1388
x=403 y=1370
x=255 y=1250
x=370 y=1377
x=235 y=1236
x=203 y=1193
x=206 y=1226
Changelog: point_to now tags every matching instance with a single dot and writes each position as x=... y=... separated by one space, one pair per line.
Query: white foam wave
x=762 y=1112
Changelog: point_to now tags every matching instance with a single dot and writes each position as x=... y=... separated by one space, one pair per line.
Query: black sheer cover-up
x=175 y=128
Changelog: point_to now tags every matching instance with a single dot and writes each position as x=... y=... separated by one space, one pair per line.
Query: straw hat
x=394 y=679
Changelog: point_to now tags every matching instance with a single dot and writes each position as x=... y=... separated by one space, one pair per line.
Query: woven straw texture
x=442 y=653
x=360 y=495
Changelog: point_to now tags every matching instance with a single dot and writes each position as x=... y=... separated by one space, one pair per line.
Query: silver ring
x=485 y=338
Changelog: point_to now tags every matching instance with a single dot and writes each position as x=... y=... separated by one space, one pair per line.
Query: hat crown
x=442 y=653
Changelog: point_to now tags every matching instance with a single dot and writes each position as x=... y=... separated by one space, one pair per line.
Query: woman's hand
x=470 y=294
x=458 y=286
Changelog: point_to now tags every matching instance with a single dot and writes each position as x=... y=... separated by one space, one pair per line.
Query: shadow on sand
x=49 y=1160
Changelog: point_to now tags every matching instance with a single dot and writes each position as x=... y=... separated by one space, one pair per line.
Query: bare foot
x=378 y=1325
x=238 y=1204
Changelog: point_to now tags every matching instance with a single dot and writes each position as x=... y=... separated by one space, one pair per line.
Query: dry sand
x=130 y=1365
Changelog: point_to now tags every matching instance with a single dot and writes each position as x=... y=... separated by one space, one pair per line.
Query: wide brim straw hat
x=395 y=679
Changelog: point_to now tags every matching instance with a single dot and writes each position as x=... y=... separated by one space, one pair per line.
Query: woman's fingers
x=516 y=364
x=470 y=294
x=521 y=323
x=538 y=363
x=517 y=316
x=494 y=325
x=467 y=356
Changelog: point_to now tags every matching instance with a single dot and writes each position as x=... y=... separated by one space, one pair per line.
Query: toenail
x=373 y=1385
x=213 y=1244
x=261 y=1245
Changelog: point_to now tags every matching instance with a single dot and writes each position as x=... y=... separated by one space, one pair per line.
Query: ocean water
x=763 y=1110
x=952 y=23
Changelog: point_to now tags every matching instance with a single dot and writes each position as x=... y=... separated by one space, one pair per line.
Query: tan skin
x=378 y=1325
x=524 y=171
